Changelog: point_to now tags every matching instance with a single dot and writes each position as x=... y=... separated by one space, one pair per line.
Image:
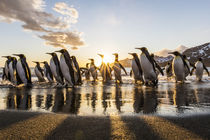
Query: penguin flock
x=67 y=72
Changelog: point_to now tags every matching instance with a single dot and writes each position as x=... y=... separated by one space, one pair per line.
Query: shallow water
x=168 y=98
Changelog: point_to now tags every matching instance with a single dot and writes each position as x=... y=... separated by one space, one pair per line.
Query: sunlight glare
x=108 y=58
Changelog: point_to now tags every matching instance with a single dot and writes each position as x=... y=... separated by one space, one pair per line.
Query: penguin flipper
x=185 y=64
x=123 y=68
x=158 y=67
x=138 y=64
x=206 y=69
x=131 y=72
x=191 y=73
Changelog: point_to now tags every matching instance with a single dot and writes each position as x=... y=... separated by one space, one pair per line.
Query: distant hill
x=193 y=53
x=164 y=52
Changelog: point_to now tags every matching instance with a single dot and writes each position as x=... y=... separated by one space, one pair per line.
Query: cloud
x=62 y=39
x=34 y=18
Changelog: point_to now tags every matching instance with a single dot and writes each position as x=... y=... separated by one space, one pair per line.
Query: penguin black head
x=101 y=55
x=200 y=59
x=143 y=49
x=176 y=53
x=133 y=54
x=8 y=57
x=73 y=57
x=20 y=55
x=152 y=55
x=13 y=58
x=52 y=54
x=45 y=62
x=36 y=62
x=115 y=54
x=61 y=51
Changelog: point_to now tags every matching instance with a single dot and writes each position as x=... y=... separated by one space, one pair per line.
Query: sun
x=107 y=59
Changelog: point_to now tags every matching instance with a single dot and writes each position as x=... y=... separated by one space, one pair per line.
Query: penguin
x=117 y=69
x=168 y=69
x=39 y=72
x=48 y=72
x=15 y=79
x=157 y=66
x=93 y=70
x=87 y=72
x=136 y=68
x=23 y=69
x=199 y=67
x=67 y=67
x=148 y=67
x=178 y=66
x=78 y=77
x=188 y=64
x=6 y=67
x=55 y=68
x=105 y=70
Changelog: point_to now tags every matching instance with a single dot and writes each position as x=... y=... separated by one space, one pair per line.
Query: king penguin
x=93 y=70
x=87 y=72
x=15 y=79
x=105 y=71
x=78 y=77
x=117 y=69
x=23 y=69
x=199 y=67
x=6 y=67
x=55 y=68
x=39 y=72
x=48 y=72
x=178 y=66
x=148 y=67
x=136 y=68
x=67 y=67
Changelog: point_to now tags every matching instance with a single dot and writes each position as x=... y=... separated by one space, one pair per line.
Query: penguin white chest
x=53 y=67
x=147 y=68
x=199 y=70
x=178 y=68
x=37 y=72
x=21 y=72
x=135 y=68
x=65 y=69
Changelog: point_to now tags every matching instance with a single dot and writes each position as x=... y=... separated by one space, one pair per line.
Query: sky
x=88 y=27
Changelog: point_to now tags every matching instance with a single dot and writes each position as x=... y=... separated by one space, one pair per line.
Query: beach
x=33 y=125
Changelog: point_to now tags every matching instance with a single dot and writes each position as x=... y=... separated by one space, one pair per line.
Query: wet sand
x=34 y=125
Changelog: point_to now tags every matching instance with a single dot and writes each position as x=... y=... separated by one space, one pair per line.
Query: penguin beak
x=138 y=48
x=35 y=62
x=42 y=62
x=171 y=53
x=130 y=53
x=60 y=51
x=100 y=55
x=114 y=54
x=16 y=54
x=5 y=56
x=49 y=53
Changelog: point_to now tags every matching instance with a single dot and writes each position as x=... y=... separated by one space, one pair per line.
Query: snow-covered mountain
x=164 y=52
x=201 y=51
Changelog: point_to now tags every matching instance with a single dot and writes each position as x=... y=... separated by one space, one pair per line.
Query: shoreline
x=36 y=125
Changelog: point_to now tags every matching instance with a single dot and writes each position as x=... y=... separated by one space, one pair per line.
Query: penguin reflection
x=93 y=99
x=180 y=97
x=39 y=99
x=73 y=100
x=150 y=101
x=11 y=99
x=105 y=98
x=58 y=100
x=25 y=94
x=48 y=103
x=138 y=100
x=118 y=97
